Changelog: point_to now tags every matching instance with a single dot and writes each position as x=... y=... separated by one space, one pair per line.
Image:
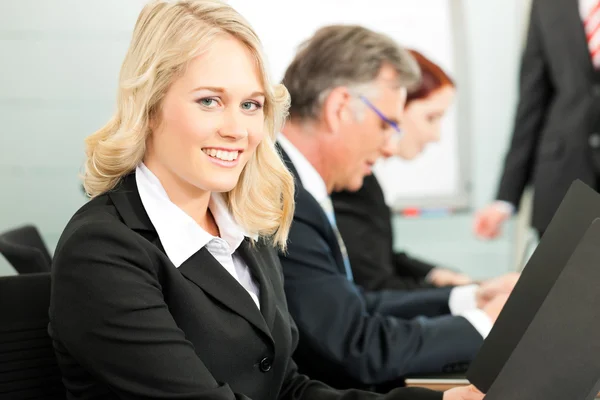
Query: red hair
x=433 y=78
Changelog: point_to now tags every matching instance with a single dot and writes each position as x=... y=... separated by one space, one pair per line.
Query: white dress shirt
x=462 y=301
x=182 y=237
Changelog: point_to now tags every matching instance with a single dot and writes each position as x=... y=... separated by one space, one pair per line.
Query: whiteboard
x=438 y=177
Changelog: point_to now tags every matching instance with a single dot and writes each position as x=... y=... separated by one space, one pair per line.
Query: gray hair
x=343 y=55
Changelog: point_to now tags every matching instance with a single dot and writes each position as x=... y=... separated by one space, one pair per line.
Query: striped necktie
x=327 y=206
x=591 y=23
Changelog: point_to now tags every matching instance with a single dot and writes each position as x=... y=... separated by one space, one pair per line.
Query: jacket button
x=594 y=140
x=265 y=364
x=596 y=90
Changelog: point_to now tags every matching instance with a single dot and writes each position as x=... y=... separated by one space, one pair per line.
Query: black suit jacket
x=558 y=112
x=127 y=324
x=352 y=338
x=365 y=222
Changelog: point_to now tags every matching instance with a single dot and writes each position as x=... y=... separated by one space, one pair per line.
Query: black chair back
x=28 y=368
x=25 y=250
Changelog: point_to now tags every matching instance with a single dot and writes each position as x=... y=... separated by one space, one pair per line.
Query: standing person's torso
x=568 y=147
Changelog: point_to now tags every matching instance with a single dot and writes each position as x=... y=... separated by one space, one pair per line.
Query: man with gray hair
x=348 y=88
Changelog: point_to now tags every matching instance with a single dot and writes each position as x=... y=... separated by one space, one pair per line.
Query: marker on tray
x=413 y=212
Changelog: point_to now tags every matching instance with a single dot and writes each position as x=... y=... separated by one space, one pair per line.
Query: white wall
x=495 y=31
x=58 y=74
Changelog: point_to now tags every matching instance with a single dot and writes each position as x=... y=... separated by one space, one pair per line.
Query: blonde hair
x=167 y=35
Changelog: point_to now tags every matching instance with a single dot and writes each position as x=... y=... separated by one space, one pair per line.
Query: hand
x=493 y=287
x=463 y=393
x=494 y=306
x=488 y=221
x=445 y=277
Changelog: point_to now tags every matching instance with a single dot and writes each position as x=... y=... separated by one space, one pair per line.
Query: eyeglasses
x=388 y=121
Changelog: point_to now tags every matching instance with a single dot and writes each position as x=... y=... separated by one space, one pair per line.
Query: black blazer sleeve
x=374 y=337
x=364 y=221
x=125 y=335
x=411 y=267
x=535 y=95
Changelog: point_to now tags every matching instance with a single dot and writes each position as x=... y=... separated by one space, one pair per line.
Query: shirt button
x=265 y=364
x=594 y=140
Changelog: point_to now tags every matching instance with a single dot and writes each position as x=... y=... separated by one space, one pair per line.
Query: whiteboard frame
x=461 y=201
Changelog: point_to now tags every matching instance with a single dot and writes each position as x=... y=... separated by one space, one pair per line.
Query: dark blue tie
x=327 y=206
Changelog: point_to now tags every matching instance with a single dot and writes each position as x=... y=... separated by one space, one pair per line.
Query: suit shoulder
x=97 y=209
x=308 y=208
x=96 y=221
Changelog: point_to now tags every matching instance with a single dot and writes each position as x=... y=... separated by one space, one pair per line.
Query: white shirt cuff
x=462 y=299
x=505 y=207
x=480 y=321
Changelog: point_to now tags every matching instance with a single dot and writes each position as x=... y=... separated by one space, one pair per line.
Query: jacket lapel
x=303 y=198
x=201 y=268
x=256 y=263
x=209 y=275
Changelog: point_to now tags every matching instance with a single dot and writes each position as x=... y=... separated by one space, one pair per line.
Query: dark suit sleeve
x=411 y=267
x=365 y=336
x=109 y=312
x=535 y=95
x=297 y=386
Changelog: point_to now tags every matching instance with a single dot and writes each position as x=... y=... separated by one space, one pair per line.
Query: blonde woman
x=166 y=285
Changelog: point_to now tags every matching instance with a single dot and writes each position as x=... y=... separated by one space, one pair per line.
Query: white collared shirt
x=310 y=178
x=462 y=301
x=182 y=237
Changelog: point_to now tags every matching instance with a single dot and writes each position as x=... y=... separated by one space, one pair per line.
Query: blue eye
x=251 y=106
x=207 y=102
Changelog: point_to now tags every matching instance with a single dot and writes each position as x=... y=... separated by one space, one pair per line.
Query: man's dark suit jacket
x=352 y=338
x=127 y=324
x=365 y=222
x=555 y=138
